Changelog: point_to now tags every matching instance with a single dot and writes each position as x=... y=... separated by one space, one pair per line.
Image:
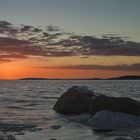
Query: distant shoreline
x=113 y=78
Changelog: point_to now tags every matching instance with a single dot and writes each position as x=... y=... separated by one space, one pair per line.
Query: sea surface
x=32 y=101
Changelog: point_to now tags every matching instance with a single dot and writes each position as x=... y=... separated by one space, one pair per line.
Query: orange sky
x=50 y=52
x=22 y=72
x=28 y=68
x=69 y=38
x=16 y=72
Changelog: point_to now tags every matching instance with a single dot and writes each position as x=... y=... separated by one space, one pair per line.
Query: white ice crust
x=113 y=120
x=107 y=120
x=83 y=89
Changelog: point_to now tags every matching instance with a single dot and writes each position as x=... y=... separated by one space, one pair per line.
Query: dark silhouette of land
x=132 y=77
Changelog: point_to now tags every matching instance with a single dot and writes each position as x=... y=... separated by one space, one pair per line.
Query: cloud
x=26 y=28
x=105 y=46
x=2 y=60
x=125 y=67
x=26 y=41
x=5 y=25
x=15 y=48
x=10 y=57
x=52 y=28
x=7 y=28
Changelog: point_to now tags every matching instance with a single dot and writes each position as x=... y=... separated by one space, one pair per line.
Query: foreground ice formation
x=103 y=112
x=109 y=120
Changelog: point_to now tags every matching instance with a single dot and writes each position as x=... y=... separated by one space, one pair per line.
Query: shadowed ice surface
x=31 y=102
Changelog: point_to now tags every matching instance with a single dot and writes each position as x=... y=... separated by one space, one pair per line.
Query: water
x=32 y=102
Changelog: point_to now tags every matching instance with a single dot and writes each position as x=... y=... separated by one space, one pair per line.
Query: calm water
x=32 y=102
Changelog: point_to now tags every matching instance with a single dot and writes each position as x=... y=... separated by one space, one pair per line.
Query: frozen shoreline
x=67 y=129
x=9 y=131
x=32 y=102
x=107 y=120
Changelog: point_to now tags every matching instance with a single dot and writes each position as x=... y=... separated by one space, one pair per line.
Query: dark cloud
x=26 y=40
x=10 y=57
x=66 y=43
x=102 y=46
x=22 y=48
x=26 y=28
x=45 y=34
x=132 y=67
x=5 y=25
x=16 y=48
x=85 y=57
x=37 y=30
x=52 y=28
x=2 y=60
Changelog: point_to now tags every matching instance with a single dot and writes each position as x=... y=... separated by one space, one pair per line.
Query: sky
x=69 y=38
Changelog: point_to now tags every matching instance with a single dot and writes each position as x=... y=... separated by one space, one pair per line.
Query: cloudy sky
x=69 y=38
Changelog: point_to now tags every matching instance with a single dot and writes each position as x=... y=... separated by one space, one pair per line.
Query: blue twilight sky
x=92 y=17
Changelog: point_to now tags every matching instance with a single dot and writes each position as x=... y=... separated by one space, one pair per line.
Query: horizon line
x=92 y=78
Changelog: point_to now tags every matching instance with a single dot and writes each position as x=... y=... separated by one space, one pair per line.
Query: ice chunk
x=82 y=89
x=83 y=118
x=113 y=120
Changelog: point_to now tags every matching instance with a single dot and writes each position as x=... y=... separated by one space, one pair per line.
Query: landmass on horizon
x=132 y=77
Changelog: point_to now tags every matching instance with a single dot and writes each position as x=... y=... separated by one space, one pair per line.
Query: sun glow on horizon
x=35 y=68
x=11 y=70
x=15 y=70
x=95 y=39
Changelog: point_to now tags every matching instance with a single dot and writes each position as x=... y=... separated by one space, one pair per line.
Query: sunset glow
x=53 y=42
